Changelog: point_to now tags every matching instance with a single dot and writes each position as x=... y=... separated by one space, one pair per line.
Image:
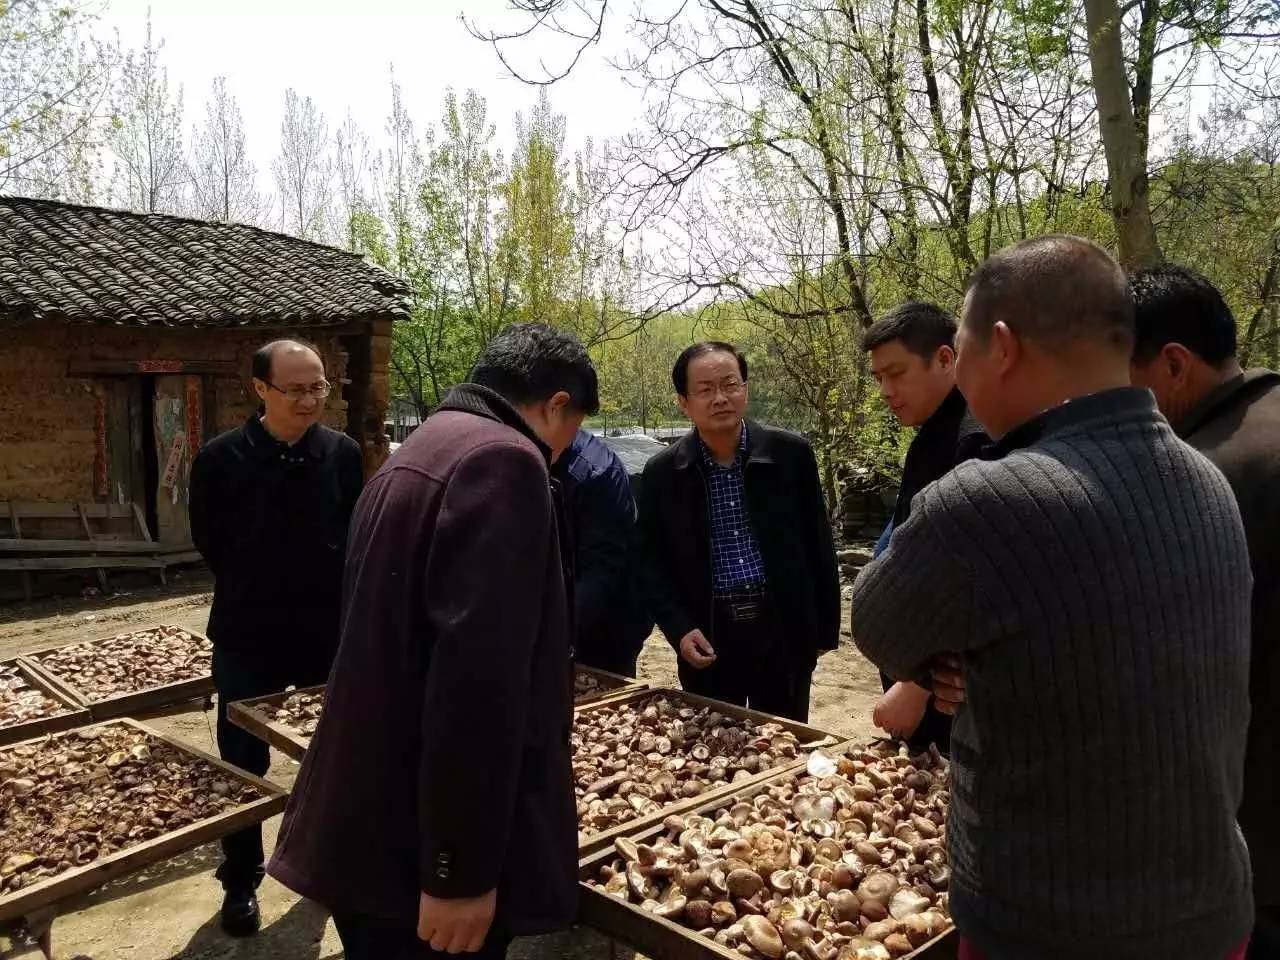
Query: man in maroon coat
x=434 y=812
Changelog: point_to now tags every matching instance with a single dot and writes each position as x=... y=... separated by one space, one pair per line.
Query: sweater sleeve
x=916 y=600
x=494 y=538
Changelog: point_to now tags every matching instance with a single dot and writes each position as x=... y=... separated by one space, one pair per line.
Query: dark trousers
x=239 y=675
x=1266 y=933
x=753 y=668
x=364 y=938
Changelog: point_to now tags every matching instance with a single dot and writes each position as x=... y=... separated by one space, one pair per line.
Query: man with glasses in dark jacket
x=738 y=553
x=270 y=502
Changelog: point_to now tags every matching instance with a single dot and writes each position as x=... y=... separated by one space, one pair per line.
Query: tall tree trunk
x=1121 y=139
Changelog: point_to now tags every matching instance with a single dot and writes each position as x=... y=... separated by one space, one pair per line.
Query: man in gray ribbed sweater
x=1092 y=573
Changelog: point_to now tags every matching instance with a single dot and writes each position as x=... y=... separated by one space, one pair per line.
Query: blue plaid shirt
x=736 y=561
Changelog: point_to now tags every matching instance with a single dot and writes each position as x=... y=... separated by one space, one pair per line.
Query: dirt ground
x=170 y=911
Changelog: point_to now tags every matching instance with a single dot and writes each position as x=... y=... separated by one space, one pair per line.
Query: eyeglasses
x=730 y=388
x=296 y=394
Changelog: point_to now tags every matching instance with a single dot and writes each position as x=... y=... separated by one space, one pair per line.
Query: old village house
x=125 y=342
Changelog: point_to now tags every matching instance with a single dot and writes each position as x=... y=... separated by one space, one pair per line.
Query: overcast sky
x=341 y=53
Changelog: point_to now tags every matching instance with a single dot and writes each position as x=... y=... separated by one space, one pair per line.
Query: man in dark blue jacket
x=612 y=622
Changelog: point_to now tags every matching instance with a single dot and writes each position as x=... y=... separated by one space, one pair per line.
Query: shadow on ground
x=295 y=936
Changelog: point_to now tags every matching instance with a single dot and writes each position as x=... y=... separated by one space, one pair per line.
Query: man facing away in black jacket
x=736 y=544
x=913 y=359
x=1185 y=353
x=270 y=504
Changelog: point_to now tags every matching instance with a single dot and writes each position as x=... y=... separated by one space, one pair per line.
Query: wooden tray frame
x=810 y=738
x=142 y=702
x=620 y=685
x=288 y=740
x=664 y=939
x=83 y=879
x=75 y=716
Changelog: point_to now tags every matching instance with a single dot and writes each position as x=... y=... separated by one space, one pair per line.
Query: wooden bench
x=26 y=551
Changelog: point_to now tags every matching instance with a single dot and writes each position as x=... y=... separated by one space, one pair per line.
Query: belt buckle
x=745 y=610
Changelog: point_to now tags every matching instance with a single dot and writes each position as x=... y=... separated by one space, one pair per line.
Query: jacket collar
x=480 y=401
x=760 y=446
x=1224 y=395
x=265 y=445
x=1073 y=416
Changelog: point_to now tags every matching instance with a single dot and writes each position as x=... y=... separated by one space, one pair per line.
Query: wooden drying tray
x=78 y=880
x=665 y=939
x=612 y=685
x=288 y=740
x=148 y=702
x=809 y=737
x=75 y=716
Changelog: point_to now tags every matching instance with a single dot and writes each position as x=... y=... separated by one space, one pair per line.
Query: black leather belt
x=743 y=607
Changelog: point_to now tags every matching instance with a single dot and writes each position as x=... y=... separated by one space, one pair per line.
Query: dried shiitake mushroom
x=73 y=798
x=831 y=866
x=130 y=662
x=631 y=759
x=297 y=711
x=22 y=703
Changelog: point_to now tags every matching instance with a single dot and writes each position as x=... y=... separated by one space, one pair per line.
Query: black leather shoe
x=240 y=916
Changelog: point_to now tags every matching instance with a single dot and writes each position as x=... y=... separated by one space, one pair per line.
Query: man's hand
x=948 y=682
x=696 y=650
x=456 y=926
x=899 y=711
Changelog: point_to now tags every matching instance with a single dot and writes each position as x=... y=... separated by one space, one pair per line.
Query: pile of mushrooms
x=130 y=662
x=298 y=711
x=74 y=798
x=632 y=759
x=844 y=860
x=22 y=703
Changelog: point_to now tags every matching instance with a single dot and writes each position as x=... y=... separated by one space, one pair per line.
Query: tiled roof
x=78 y=264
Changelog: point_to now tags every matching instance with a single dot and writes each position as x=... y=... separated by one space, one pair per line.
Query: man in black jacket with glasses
x=270 y=502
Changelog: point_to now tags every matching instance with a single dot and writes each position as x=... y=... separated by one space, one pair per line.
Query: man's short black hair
x=1054 y=289
x=922 y=328
x=1174 y=304
x=680 y=372
x=261 y=365
x=531 y=362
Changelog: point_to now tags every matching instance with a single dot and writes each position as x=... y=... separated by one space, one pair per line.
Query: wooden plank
x=288 y=740
x=612 y=684
x=88 y=367
x=75 y=716
x=809 y=737
x=164 y=559
x=86 y=562
x=666 y=940
x=82 y=879
x=99 y=546
x=40 y=510
x=54 y=682
x=148 y=701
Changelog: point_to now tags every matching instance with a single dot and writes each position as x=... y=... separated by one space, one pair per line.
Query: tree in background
x=303 y=169
x=351 y=168
x=151 y=168
x=223 y=178
x=56 y=86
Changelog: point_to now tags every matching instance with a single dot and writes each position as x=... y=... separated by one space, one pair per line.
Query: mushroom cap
x=763 y=936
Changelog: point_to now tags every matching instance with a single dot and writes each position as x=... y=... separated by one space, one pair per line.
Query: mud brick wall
x=48 y=419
